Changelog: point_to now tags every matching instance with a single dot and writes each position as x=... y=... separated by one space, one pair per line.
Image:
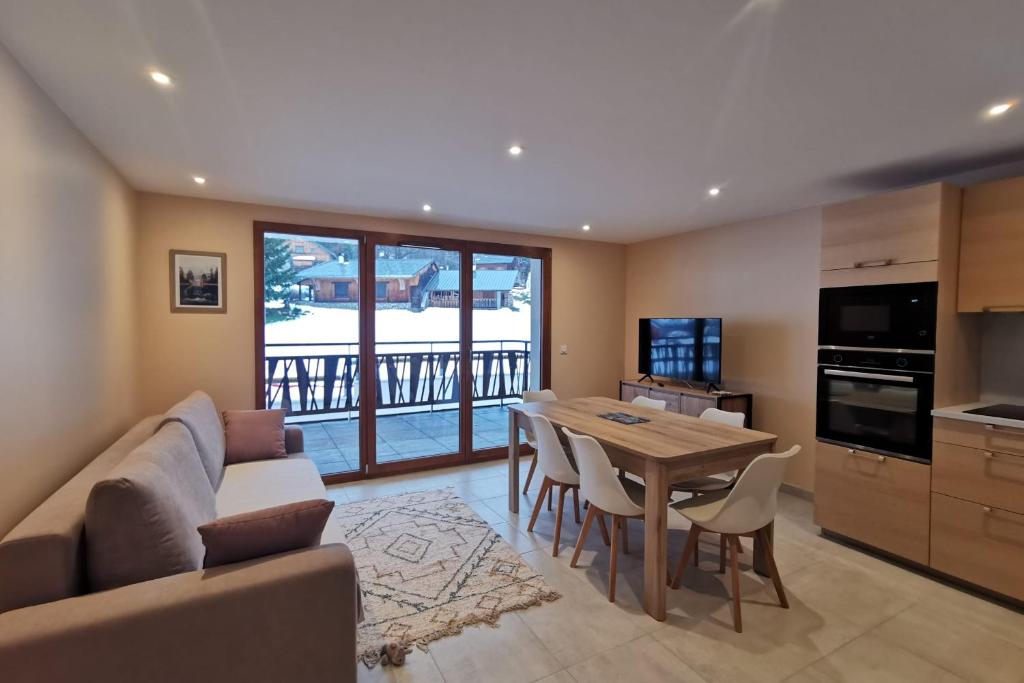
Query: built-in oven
x=894 y=317
x=876 y=401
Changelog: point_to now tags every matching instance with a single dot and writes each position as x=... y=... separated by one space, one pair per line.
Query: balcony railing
x=310 y=379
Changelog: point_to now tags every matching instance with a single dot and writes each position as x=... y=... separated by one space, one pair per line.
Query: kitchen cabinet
x=875 y=499
x=992 y=248
x=893 y=229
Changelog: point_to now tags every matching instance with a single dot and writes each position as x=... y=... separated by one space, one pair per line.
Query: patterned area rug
x=429 y=566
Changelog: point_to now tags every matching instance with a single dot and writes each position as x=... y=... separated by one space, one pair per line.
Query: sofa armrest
x=293 y=441
x=288 y=617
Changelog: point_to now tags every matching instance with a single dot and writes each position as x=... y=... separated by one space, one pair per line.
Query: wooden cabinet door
x=695 y=405
x=992 y=248
x=978 y=543
x=878 y=500
x=673 y=401
x=627 y=392
x=986 y=477
x=883 y=230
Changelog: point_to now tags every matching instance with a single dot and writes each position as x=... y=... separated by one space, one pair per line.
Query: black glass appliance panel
x=878 y=316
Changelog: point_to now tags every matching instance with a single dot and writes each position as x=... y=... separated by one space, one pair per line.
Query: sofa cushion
x=253 y=435
x=43 y=558
x=252 y=486
x=141 y=520
x=198 y=413
x=264 y=532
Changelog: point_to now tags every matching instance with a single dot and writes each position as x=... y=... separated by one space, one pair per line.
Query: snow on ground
x=341 y=326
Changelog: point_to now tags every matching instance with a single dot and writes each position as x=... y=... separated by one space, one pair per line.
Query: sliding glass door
x=417 y=338
x=310 y=323
x=508 y=306
x=397 y=353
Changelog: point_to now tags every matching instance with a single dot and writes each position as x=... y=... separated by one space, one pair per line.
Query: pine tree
x=278 y=273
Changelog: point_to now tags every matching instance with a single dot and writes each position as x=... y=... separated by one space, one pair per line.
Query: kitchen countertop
x=957 y=413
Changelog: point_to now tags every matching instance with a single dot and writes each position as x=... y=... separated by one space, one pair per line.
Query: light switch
x=564 y=349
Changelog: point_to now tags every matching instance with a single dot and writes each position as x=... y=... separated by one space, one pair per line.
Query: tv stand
x=688 y=400
x=647 y=377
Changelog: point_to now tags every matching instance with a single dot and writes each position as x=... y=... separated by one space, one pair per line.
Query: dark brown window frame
x=368 y=240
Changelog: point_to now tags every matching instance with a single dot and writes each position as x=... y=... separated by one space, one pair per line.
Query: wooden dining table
x=668 y=449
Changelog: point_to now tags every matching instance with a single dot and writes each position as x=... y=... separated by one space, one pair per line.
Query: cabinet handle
x=1014 y=459
x=869 y=456
x=1005 y=309
x=986 y=509
x=877 y=263
x=999 y=428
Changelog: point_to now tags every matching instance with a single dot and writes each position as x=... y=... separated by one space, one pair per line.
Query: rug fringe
x=370 y=656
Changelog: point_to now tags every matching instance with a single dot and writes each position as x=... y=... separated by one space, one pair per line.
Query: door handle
x=869 y=375
x=1005 y=309
x=869 y=456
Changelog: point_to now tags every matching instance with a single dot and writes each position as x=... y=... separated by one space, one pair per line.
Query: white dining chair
x=607 y=494
x=557 y=471
x=535 y=397
x=747 y=509
x=645 y=402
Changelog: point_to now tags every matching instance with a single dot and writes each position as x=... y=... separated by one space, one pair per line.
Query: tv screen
x=688 y=349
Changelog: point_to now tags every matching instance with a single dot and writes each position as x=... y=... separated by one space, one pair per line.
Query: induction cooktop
x=1004 y=410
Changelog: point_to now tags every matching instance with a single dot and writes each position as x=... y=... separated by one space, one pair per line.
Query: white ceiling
x=629 y=110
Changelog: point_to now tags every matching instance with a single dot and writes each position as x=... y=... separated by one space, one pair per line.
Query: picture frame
x=198 y=281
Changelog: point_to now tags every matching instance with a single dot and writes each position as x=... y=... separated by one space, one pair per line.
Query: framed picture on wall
x=198 y=282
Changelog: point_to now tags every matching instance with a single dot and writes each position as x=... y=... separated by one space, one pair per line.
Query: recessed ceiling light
x=515 y=150
x=427 y=208
x=586 y=227
x=160 y=78
x=1000 y=109
x=199 y=180
x=714 y=191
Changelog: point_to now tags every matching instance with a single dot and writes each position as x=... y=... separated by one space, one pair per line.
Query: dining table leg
x=655 y=538
x=513 y=461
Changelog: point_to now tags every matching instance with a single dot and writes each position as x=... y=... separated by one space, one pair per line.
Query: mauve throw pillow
x=264 y=532
x=253 y=435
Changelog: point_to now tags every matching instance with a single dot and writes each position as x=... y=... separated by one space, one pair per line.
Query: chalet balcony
x=417 y=387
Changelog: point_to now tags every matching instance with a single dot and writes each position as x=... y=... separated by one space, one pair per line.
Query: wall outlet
x=563 y=350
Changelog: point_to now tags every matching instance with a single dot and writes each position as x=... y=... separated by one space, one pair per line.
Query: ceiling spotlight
x=586 y=227
x=515 y=150
x=199 y=180
x=1000 y=109
x=427 y=208
x=714 y=191
x=160 y=78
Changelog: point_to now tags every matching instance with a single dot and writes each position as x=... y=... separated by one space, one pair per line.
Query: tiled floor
x=334 y=445
x=852 y=617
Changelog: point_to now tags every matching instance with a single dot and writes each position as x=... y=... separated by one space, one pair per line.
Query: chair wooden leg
x=588 y=520
x=691 y=547
x=721 y=553
x=550 y=493
x=604 y=527
x=625 y=535
x=558 y=519
x=614 y=558
x=529 y=475
x=576 y=503
x=737 y=619
x=769 y=557
x=545 y=486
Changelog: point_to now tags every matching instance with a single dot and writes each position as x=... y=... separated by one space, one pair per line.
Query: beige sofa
x=287 y=617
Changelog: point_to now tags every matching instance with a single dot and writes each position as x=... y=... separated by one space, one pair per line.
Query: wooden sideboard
x=682 y=399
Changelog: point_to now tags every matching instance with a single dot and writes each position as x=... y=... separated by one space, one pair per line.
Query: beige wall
x=761 y=277
x=181 y=352
x=66 y=296
x=1002 y=363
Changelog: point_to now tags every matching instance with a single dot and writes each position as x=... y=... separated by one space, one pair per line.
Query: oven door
x=881 y=411
x=878 y=316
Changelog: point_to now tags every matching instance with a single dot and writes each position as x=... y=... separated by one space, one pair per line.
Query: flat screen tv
x=686 y=349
